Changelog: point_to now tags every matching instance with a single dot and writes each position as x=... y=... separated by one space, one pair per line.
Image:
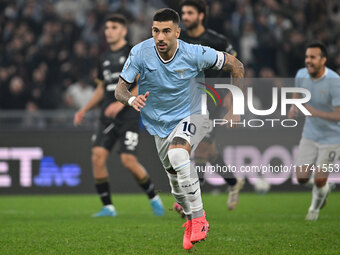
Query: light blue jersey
x=170 y=83
x=325 y=95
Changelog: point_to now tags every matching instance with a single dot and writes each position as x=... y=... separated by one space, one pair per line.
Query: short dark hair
x=200 y=5
x=116 y=18
x=320 y=45
x=166 y=14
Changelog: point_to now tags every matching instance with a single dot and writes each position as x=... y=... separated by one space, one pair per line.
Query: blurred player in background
x=117 y=122
x=171 y=110
x=193 y=16
x=319 y=148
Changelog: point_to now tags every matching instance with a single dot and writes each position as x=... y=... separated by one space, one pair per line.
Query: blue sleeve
x=131 y=67
x=209 y=58
x=298 y=78
x=335 y=92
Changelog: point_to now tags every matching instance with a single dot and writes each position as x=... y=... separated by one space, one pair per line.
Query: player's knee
x=320 y=182
x=98 y=159
x=302 y=180
x=128 y=160
x=178 y=157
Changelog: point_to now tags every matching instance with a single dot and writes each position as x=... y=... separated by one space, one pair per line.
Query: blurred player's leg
x=99 y=156
x=305 y=161
x=131 y=163
x=129 y=140
x=207 y=152
x=321 y=189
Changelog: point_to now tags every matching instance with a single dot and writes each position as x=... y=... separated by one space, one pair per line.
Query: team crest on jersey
x=181 y=72
x=106 y=63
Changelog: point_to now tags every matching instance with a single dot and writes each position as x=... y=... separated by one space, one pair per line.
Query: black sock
x=148 y=187
x=103 y=190
x=229 y=176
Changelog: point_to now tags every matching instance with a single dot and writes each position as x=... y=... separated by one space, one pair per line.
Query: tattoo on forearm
x=122 y=92
x=234 y=66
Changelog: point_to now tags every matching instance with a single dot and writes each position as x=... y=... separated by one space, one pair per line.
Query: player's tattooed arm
x=236 y=69
x=122 y=92
x=233 y=65
x=123 y=95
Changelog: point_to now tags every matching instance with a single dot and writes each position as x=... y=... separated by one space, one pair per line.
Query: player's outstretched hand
x=139 y=101
x=78 y=117
x=293 y=112
x=232 y=119
x=113 y=109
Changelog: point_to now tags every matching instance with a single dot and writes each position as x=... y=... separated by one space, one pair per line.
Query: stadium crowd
x=49 y=49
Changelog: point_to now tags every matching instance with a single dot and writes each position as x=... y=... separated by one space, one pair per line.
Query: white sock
x=111 y=207
x=318 y=196
x=188 y=180
x=178 y=194
x=154 y=198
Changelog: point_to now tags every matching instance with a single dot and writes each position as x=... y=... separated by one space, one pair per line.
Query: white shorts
x=311 y=152
x=192 y=129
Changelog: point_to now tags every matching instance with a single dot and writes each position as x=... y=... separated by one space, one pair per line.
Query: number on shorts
x=189 y=127
x=331 y=156
x=131 y=140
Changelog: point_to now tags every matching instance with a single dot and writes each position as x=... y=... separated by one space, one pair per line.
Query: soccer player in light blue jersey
x=171 y=110
x=319 y=147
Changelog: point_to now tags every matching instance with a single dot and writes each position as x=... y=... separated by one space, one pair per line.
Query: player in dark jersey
x=193 y=13
x=117 y=122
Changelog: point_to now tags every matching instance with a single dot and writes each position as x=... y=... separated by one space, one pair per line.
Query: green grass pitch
x=269 y=224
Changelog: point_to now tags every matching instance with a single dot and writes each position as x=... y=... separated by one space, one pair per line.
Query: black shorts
x=109 y=133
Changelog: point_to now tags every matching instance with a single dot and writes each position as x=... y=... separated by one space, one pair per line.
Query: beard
x=315 y=71
x=193 y=25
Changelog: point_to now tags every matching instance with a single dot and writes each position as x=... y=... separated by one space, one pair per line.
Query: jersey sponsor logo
x=181 y=72
x=109 y=76
x=122 y=60
x=111 y=87
x=106 y=63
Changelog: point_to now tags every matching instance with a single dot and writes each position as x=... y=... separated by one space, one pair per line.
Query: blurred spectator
x=78 y=94
x=48 y=45
x=16 y=95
